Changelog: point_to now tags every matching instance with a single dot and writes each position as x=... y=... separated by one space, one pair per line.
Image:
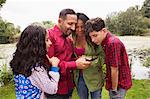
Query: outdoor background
x=128 y=19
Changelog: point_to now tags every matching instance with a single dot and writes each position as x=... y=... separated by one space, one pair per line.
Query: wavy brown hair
x=94 y=24
x=31 y=50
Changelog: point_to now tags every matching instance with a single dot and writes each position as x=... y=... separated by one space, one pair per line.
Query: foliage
x=48 y=24
x=8 y=31
x=147 y=62
x=112 y=22
x=146 y=8
x=139 y=90
x=6 y=75
x=2 y=2
x=130 y=22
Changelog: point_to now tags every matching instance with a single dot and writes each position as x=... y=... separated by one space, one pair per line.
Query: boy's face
x=97 y=37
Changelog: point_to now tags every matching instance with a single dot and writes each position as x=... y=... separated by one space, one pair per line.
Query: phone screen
x=91 y=59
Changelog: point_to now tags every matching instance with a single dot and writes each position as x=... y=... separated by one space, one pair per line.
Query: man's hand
x=82 y=63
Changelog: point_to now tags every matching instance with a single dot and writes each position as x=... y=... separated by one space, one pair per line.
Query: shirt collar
x=57 y=29
x=108 y=35
x=59 y=32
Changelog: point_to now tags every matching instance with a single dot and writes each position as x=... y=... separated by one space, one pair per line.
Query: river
x=132 y=43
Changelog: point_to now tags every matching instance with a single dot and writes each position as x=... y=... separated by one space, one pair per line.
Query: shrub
x=6 y=75
x=147 y=62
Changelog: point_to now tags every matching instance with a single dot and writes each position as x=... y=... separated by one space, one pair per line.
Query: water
x=6 y=53
x=139 y=71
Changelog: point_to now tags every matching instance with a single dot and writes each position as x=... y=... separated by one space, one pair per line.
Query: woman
x=32 y=76
x=84 y=80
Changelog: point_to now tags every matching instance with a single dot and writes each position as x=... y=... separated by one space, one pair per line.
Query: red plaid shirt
x=62 y=48
x=116 y=56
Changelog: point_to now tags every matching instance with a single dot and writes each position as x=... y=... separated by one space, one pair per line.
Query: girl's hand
x=54 y=61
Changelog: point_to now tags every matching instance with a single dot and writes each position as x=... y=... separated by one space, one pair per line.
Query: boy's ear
x=104 y=29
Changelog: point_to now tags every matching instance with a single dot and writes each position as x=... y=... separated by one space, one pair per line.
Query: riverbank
x=136 y=42
x=136 y=48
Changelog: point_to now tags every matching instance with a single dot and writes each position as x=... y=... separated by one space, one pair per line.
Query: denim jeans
x=83 y=91
x=120 y=94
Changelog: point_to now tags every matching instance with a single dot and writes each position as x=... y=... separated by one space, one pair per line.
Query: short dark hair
x=82 y=17
x=63 y=13
x=95 y=24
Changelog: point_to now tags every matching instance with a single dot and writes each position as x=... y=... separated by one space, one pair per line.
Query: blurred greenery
x=146 y=8
x=133 y=21
x=8 y=32
x=147 y=62
x=48 y=24
x=2 y=2
x=6 y=75
x=129 y=22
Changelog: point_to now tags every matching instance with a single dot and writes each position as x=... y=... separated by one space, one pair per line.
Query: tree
x=146 y=8
x=130 y=22
x=48 y=24
x=112 y=22
x=7 y=31
x=2 y=2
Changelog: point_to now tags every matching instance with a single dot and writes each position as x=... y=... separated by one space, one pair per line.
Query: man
x=118 y=75
x=62 y=48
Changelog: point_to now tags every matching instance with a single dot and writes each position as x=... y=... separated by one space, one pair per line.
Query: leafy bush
x=7 y=31
x=6 y=75
x=147 y=62
x=130 y=22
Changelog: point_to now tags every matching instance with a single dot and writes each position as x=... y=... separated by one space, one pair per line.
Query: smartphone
x=91 y=59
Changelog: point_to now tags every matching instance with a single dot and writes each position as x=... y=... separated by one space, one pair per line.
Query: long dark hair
x=82 y=17
x=31 y=50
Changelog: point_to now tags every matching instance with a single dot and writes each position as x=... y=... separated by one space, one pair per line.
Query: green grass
x=7 y=92
x=139 y=90
x=104 y=94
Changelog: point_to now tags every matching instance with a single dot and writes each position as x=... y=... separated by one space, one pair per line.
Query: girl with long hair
x=32 y=74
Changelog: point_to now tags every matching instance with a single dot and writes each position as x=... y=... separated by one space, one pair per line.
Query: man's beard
x=67 y=34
